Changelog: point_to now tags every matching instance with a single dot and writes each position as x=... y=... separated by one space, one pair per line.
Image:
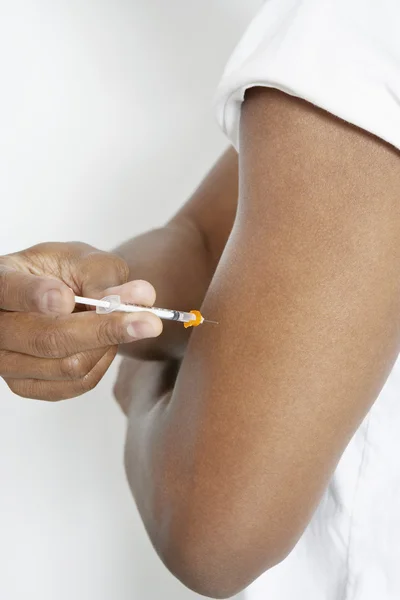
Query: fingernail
x=52 y=301
x=139 y=330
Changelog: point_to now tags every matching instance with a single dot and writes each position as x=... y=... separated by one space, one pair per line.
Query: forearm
x=180 y=258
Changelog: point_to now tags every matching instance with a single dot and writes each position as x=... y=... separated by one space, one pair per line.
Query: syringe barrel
x=113 y=303
x=173 y=315
x=163 y=313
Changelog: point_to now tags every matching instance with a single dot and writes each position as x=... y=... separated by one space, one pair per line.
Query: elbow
x=220 y=566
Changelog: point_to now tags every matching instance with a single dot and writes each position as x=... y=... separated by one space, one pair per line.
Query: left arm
x=228 y=468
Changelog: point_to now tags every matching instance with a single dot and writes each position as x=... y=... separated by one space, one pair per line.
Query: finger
x=98 y=271
x=53 y=391
x=22 y=366
x=134 y=292
x=47 y=337
x=24 y=292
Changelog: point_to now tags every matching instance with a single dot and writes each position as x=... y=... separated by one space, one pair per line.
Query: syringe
x=110 y=304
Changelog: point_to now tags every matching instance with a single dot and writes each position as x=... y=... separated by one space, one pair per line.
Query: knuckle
x=30 y=295
x=109 y=332
x=121 y=267
x=74 y=367
x=111 y=263
x=48 y=344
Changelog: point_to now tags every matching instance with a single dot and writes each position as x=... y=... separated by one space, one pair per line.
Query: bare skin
x=228 y=460
x=228 y=466
x=48 y=353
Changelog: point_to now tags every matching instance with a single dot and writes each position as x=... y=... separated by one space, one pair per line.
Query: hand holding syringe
x=113 y=303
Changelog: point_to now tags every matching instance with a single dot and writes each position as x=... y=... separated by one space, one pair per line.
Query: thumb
x=24 y=292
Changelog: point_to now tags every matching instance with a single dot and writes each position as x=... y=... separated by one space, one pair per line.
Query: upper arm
x=307 y=294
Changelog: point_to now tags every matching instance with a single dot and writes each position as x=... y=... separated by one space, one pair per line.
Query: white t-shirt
x=343 y=56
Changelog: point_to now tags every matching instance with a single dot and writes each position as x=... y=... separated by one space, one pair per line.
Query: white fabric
x=343 y=56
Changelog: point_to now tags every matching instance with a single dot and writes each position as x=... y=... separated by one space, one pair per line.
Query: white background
x=106 y=126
